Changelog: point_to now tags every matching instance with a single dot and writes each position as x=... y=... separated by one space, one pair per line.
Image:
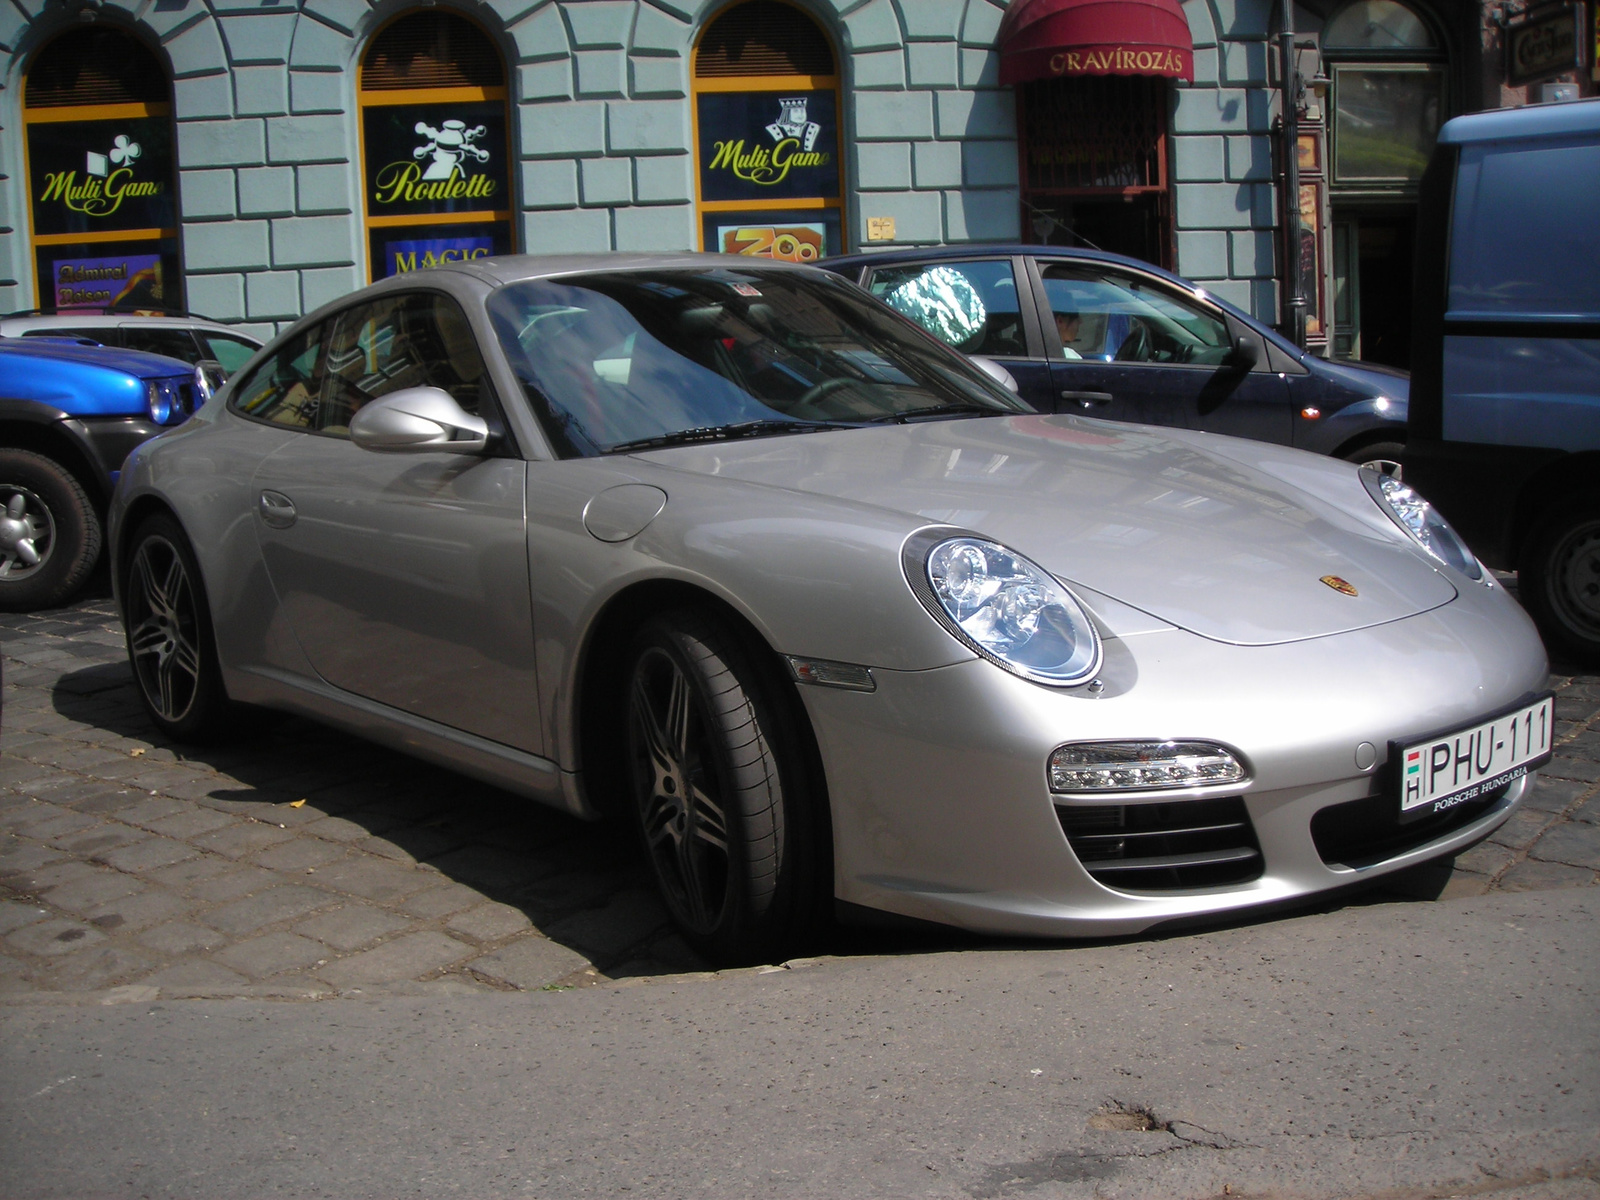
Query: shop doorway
x=1094 y=164
x=1372 y=284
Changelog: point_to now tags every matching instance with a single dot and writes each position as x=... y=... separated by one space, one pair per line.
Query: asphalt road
x=1401 y=1050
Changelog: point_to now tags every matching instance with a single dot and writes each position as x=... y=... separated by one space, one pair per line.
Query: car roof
x=1532 y=121
x=95 y=320
x=512 y=268
x=990 y=250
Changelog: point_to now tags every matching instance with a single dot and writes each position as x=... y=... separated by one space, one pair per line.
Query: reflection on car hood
x=1214 y=535
x=1371 y=378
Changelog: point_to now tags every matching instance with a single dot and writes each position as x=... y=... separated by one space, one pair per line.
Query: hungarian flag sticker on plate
x=1448 y=769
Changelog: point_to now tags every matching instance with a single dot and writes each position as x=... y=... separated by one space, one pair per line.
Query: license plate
x=1440 y=772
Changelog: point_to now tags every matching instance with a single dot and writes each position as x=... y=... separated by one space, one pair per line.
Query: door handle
x=1088 y=399
x=276 y=509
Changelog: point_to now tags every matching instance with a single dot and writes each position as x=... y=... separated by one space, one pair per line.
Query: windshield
x=618 y=360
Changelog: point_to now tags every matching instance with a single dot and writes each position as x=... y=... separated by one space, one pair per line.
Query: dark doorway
x=1372 y=284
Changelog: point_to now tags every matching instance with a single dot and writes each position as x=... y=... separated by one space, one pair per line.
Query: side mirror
x=994 y=371
x=1246 y=352
x=421 y=420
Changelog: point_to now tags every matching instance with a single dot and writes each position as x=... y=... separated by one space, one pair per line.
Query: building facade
x=250 y=160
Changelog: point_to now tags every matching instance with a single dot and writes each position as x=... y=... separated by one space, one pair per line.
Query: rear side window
x=174 y=343
x=284 y=389
x=1526 y=240
x=231 y=352
x=969 y=305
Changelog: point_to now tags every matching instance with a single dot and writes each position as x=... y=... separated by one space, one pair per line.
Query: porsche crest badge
x=1343 y=586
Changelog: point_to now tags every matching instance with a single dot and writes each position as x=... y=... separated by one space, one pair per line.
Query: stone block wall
x=267 y=135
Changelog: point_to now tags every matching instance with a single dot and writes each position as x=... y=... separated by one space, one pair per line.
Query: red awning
x=1049 y=39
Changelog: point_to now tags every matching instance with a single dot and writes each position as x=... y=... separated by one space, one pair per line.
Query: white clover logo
x=124 y=151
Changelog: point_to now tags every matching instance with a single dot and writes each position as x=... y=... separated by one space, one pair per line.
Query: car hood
x=1370 y=378
x=131 y=362
x=1225 y=538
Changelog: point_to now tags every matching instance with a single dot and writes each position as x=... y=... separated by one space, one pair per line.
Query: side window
x=284 y=388
x=969 y=305
x=231 y=352
x=1110 y=317
x=174 y=343
x=415 y=339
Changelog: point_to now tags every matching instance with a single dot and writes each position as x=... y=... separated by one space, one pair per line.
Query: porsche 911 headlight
x=1422 y=521
x=1010 y=610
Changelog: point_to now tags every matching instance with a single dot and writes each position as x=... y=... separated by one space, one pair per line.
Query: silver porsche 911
x=735 y=554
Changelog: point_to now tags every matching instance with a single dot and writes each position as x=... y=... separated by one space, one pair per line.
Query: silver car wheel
x=163 y=638
x=678 y=792
x=27 y=533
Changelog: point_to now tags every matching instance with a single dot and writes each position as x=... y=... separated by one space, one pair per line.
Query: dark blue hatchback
x=69 y=414
x=1108 y=336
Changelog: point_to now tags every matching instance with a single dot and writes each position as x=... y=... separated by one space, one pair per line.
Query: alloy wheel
x=163 y=638
x=1575 y=579
x=27 y=532
x=677 y=789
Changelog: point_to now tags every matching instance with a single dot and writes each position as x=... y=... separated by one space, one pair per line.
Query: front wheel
x=1382 y=457
x=721 y=792
x=49 y=532
x=170 y=643
x=1559 y=577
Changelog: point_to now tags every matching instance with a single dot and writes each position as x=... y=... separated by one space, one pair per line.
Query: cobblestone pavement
x=304 y=863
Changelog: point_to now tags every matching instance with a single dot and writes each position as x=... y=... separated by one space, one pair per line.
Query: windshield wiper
x=719 y=433
x=942 y=410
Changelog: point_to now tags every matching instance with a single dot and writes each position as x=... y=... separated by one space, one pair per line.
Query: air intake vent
x=763 y=37
x=96 y=65
x=431 y=50
x=1363 y=832
x=1164 y=847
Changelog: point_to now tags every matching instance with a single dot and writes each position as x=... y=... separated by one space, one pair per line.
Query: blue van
x=1505 y=379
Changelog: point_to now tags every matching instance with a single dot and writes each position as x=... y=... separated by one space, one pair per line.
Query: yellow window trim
x=424 y=219
x=102 y=235
x=445 y=95
x=93 y=112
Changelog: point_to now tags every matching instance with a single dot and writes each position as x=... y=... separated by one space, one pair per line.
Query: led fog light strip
x=1141 y=766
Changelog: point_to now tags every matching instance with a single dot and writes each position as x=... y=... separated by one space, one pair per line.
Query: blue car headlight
x=1006 y=608
x=1407 y=509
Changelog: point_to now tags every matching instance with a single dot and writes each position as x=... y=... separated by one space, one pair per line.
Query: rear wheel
x=49 y=532
x=170 y=642
x=1559 y=577
x=1382 y=457
x=721 y=797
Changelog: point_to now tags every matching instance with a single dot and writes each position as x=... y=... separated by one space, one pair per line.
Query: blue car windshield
x=622 y=360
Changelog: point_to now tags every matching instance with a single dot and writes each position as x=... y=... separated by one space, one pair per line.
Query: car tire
x=171 y=646
x=46 y=516
x=721 y=794
x=1384 y=457
x=1558 y=574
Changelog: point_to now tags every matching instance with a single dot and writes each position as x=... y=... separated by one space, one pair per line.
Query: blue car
x=70 y=412
x=1108 y=336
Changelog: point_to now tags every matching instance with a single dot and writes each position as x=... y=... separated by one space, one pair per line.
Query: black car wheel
x=721 y=794
x=170 y=643
x=49 y=532
x=1559 y=577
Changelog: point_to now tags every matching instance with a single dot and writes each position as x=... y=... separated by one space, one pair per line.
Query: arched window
x=97 y=117
x=435 y=143
x=767 y=108
x=1388 y=94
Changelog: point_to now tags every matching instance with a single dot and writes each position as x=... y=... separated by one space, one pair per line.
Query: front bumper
x=937 y=779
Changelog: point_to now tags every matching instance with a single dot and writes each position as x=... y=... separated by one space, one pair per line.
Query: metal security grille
x=763 y=37
x=96 y=65
x=1095 y=134
x=431 y=49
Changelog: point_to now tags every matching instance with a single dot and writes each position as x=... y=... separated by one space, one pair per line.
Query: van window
x=1525 y=240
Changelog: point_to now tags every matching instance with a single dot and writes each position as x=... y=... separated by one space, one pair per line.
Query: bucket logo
x=795 y=138
x=446 y=149
x=108 y=181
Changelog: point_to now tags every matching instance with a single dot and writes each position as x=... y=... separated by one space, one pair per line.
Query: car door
x=403 y=576
x=1133 y=347
x=979 y=306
